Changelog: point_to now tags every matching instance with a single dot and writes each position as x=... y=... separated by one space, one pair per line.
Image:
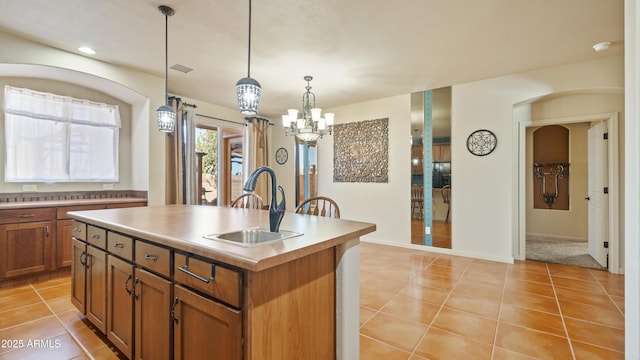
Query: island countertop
x=182 y=227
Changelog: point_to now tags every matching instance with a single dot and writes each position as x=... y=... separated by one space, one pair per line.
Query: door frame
x=519 y=245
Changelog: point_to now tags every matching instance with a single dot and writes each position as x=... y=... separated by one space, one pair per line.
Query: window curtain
x=55 y=138
x=181 y=159
x=256 y=152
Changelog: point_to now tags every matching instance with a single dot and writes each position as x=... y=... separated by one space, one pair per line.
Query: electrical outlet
x=427 y=230
x=29 y=187
x=107 y=186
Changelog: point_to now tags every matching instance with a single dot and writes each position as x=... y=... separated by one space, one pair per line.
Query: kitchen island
x=150 y=280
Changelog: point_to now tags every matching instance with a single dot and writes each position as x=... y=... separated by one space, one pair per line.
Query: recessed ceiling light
x=87 y=50
x=602 y=46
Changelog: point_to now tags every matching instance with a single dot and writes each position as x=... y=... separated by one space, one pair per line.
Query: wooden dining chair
x=319 y=206
x=417 y=200
x=446 y=198
x=248 y=201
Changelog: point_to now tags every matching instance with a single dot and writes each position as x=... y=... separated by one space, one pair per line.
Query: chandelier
x=311 y=125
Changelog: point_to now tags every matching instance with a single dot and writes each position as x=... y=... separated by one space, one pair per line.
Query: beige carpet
x=561 y=251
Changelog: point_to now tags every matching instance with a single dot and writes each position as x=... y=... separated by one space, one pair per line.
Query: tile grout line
x=413 y=352
x=608 y=294
x=71 y=334
x=495 y=336
x=564 y=325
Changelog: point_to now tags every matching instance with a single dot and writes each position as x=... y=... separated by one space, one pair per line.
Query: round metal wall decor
x=281 y=156
x=481 y=142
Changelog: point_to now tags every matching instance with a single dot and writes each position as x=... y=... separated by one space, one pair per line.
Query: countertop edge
x=227 y=253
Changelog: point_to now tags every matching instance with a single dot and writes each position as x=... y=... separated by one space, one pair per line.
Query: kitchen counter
x=319 y=269
x=182 y=227
x=70 y=202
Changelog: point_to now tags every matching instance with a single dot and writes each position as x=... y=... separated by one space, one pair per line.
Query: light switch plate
x=427 y=230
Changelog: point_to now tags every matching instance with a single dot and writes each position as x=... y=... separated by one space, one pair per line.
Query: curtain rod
x=216 y=118
x=230 y=121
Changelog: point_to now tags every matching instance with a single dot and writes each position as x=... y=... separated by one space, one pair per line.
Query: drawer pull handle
x=173 y=310
x=24 y=216
x=76 y=230
x=118 y=245
x=95 y=236
x=126 y=284
x=150 y=257
x=133 y=289
x=185 y=269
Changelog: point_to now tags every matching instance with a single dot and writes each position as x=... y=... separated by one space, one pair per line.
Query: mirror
x=306 y=170
x=431 y=168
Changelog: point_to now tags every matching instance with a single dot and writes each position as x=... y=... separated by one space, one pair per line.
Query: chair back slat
x=319 y=206
x=248 y=201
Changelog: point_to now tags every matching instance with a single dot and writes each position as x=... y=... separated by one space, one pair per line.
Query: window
x=53 y=138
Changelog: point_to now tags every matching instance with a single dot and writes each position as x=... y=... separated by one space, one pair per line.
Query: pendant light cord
x=249 y=56
x=166 y=59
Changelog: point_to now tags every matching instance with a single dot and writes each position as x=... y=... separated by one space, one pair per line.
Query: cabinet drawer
x=79 y=230
x=97 y=237
x=13 y=216
x=153 y=257
x=213 y=279
x=120 y=245
x=61 y=212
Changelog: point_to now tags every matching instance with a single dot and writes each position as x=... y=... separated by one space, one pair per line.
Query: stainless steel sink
x=253 y=236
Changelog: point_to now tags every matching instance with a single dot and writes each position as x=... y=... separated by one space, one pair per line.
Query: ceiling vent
x=181 y=68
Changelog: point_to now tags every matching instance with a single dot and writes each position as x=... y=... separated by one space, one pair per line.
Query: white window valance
x=54 y=138
x=46 y=106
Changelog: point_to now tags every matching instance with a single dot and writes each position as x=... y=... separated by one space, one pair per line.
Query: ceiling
x=356 y=50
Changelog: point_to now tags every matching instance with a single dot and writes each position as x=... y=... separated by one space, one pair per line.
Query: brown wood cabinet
x=96 y=287
x=26 y=248
x=120 y=304
x=78 y=265
x=205 y=329
x=163 y=303
x=35 y=240
x=441 y=152
x=152 y=295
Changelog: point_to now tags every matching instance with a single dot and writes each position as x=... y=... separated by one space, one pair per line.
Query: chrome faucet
x=276 y=211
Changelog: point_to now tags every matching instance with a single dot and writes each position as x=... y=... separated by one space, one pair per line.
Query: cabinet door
x=96 y=306
x=78 y=278
x=205 y=329
x=120 y=304
x=445 y=153
x=64 y=232
x=26 y=248
x=152 y=295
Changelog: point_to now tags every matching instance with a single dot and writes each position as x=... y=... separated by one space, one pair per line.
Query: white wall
x=486 y=188
x=632 y=178
x=385 y=204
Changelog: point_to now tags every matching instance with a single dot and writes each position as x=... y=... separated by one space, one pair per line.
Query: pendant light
x=247 y=89
x=165 y=114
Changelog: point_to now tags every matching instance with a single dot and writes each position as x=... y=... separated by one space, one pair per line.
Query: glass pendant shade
x=166 y=117
x=248 y=91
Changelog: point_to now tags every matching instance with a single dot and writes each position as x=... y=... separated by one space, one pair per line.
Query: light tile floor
x=421 y=305
x=413 y=305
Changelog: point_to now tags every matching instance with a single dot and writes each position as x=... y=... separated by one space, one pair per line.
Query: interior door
x=598 y=200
